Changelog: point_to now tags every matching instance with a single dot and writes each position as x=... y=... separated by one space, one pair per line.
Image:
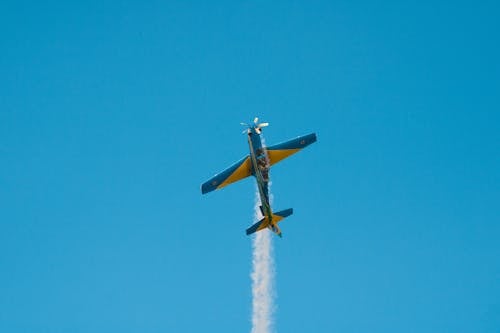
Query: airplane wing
x=237 y=171
x=282 y=150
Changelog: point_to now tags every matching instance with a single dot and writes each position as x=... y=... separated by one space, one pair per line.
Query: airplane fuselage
x=261 y=166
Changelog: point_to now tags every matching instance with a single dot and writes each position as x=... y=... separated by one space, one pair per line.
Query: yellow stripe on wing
x=277 y=155
x=244 y=170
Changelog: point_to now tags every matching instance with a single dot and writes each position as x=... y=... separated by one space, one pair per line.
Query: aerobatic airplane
x=257 y=164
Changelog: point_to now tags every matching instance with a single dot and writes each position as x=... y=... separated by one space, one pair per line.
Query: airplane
x=257 y=164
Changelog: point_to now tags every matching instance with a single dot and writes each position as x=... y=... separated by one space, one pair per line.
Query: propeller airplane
x=257 y=163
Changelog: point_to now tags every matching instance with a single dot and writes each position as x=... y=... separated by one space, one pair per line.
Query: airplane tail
x=264 y=223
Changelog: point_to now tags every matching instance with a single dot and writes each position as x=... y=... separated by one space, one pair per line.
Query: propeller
x=257 y=126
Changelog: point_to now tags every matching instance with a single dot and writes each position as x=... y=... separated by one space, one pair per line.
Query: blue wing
x=282 y=150
x=237 y=171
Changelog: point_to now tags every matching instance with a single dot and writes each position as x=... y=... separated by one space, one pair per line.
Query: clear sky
x=112 y=113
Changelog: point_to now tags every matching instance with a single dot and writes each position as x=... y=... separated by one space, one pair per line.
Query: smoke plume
x=262 y=277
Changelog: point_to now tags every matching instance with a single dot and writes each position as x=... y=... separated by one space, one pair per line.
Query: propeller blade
x=255 y=120
x=263 y=125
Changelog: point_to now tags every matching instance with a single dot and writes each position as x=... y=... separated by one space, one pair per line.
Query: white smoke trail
x=262 y=277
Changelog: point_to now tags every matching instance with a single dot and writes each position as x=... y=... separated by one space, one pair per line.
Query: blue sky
x=113 y=113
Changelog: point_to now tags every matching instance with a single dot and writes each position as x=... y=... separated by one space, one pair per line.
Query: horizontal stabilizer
x=284 y=213
x=257 y=226
x=264 y=223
